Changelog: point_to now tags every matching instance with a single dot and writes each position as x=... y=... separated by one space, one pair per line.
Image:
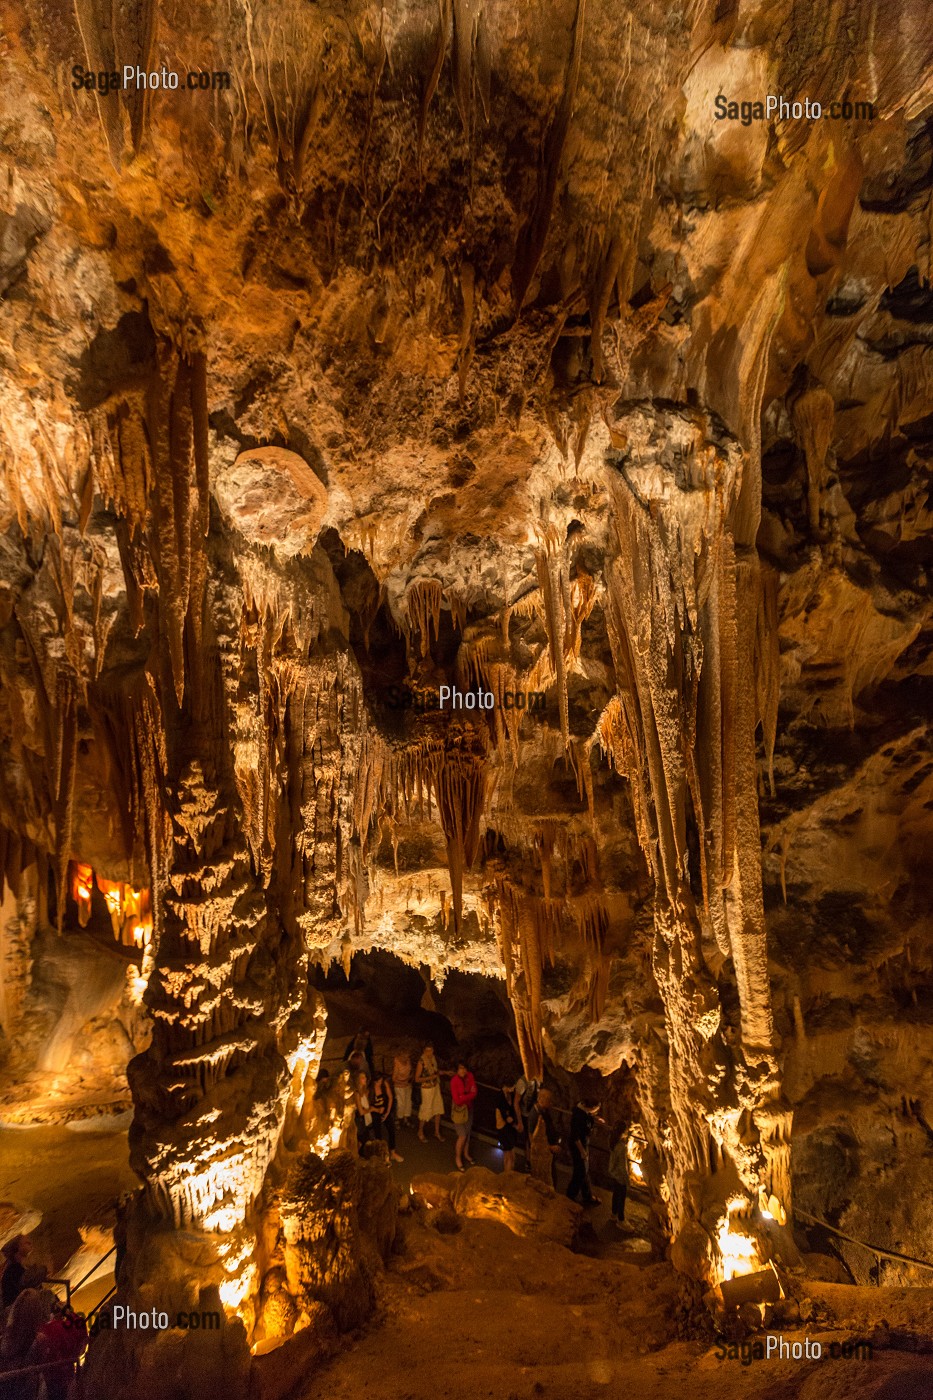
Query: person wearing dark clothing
x=15 y=1252
x=381 y=1102
x=30 y=1312
x=526 y=1093
x=582 y=1122
x=361 y=1044
x=508 y=1119
x=543 y=1139
x=618 y=1171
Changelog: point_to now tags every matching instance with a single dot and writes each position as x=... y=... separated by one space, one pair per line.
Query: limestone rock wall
x=379 y=370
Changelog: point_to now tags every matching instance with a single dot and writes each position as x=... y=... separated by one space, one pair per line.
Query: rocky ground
x=476 y=1310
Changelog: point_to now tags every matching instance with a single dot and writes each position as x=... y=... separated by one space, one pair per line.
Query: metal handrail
x=34 y=1370
x=872 y=1248
x=75 y=1287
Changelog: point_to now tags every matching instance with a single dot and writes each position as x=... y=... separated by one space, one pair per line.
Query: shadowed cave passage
x=469 y=1017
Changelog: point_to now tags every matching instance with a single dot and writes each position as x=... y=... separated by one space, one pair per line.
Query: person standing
x=15 y=1252
x=361 y=1044
x=508 y=1118
x=618 y=1171
x=427 y=1077
x=402 y=1072
x=62 y=1341
x=463 y=1092
x=582 y=1122
x=30 y=1312
x=364 y=1112
x=543 y=1138
x=382 y=1101
x=526 y=1092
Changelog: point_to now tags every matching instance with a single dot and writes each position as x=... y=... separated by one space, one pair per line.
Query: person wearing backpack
x=583 y=1119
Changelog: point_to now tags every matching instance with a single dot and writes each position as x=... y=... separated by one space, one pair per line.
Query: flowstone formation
x=683 y=603
x=463 y=497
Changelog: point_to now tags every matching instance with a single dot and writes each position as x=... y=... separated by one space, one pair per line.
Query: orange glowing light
x=739 y=1251
x=82 y=881
x=633 y=1151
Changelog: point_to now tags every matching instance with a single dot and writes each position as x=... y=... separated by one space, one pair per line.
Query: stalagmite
x=683 y=729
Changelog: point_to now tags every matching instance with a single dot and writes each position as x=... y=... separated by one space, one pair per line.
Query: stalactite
x=17 y=853
x=553 y=584
x=768 y=664
x=533 y=234
x=445 y=19
x=526 y=935
x=813 y=416
x=424 y=601
x=64 y=766
x=592 y=919
x=20 y=914
x=460 y=785
x=458 y=610
x=200 y=520
x=470 y=59
x=176 y=423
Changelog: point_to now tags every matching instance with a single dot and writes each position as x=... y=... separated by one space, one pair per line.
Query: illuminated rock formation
x=442 y=351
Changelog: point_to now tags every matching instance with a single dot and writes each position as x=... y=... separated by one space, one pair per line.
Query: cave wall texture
x=457 y=343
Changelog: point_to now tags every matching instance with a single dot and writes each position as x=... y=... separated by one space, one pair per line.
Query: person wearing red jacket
x=463 y=1092
x=63 y=1340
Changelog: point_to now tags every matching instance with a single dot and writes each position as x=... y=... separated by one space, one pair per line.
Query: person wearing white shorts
x=427 y=1075
x=401 y=1084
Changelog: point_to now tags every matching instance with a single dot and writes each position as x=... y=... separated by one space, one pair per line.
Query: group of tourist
x=524 y=1116
x=41 y=1338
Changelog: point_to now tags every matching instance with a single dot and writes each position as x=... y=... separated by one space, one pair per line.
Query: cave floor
x=433 y=1156
x=485 y=1313
x=72 y=1178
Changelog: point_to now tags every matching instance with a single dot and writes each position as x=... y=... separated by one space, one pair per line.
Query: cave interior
x=465 y=548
